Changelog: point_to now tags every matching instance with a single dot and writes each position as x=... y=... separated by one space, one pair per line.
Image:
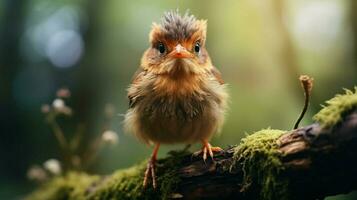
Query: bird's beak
x=180 y=52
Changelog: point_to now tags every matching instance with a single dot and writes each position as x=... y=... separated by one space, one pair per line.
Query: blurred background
x=94 y=47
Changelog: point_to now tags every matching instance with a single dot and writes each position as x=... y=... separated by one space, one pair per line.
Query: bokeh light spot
x=65 y=48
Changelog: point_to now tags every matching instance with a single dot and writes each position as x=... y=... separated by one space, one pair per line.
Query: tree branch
x=312 y=162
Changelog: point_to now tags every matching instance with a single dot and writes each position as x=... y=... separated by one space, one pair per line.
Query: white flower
x=110 y=137
x=58 y=104
x=36 y=173
x=53 y=166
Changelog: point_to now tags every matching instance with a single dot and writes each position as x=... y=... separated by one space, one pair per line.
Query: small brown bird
x=177 y=95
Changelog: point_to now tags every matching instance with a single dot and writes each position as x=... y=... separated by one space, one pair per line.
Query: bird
x=176 y=95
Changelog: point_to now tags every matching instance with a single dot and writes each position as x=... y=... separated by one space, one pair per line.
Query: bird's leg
x=150 y=168
x=207 y=148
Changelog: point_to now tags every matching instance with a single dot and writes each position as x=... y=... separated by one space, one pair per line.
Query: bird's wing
x=133 y=90
x=217 y=75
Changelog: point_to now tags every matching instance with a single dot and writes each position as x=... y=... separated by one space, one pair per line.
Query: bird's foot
x=150 y=168
x=150 y=173
x=207 y=149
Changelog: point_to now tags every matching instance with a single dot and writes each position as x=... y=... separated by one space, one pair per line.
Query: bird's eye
x=161 y=47
x=197 y=47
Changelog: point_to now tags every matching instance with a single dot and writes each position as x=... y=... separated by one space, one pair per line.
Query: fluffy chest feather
x=182 y=98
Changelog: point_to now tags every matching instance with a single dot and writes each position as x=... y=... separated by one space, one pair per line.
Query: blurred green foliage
x=94 y=47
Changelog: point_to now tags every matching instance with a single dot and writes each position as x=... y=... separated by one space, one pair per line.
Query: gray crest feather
x=178 y=26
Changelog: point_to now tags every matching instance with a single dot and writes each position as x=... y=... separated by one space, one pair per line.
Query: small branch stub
x=306 y=84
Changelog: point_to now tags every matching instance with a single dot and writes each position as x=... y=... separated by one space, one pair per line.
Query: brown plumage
x=177 y=95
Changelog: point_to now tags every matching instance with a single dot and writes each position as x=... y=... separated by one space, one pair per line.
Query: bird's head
x=177 y=44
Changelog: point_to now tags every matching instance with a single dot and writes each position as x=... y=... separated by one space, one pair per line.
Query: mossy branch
x=306 y=163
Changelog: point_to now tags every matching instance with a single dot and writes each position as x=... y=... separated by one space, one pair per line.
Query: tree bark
x=318 y=163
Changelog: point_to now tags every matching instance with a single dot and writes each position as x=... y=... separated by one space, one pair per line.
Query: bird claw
x=207 y=149
x=150 y=172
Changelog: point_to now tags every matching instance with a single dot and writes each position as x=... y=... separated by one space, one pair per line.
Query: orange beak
x=180 y=52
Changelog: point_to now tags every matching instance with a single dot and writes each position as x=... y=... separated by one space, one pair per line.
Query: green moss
x=259 y=158
x=71 y=186
x=122 y=184
x=127 y=184
x=336 y=108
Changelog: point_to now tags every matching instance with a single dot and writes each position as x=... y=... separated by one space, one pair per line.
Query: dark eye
x=197 y=47
x=161 y=47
